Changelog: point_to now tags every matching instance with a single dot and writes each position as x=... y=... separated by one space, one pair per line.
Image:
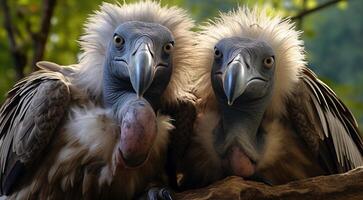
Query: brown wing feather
x=183 y=115
x=28 y=119
x=326 y=124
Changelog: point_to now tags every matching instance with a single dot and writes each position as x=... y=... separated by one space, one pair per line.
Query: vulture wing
x=183 y=115
x=29 y=117
x=326 y=124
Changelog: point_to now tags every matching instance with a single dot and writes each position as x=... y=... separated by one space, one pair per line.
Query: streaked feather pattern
x=29 y=118
x=337 y=121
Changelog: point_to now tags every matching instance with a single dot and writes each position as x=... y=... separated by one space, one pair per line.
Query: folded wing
x=29 y=118
x=326 y=124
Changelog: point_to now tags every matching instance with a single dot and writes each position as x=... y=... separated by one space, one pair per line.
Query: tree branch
x=334 y=187
x=16 y=52
x=301 y=20
x=322 y=6
x=40 y=38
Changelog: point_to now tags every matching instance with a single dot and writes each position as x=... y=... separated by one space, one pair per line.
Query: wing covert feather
x=329 y=121
x=29 y=118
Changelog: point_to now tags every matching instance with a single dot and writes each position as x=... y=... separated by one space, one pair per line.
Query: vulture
x=262 y=114
x=99 y=129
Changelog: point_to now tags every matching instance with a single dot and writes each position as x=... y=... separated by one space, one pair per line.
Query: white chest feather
x=82 y=158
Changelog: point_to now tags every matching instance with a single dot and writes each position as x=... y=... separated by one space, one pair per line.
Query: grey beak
x=141 y=69
x=234 y=79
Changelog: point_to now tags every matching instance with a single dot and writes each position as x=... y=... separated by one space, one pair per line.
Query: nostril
x=162 y=64
x=118 y=58
x=218 y=73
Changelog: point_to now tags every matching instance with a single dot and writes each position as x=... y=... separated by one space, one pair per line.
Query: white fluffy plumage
x=99 y=31
x=89 y=137
x=256 y=24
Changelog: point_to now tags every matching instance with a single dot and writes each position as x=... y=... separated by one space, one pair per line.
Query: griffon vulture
x=94 y=130
x=263 y=114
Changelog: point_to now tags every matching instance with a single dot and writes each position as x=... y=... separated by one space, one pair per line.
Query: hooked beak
x=235 y=79
x=141 y=69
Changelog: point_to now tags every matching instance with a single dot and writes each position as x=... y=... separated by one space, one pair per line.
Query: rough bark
x=340 y=187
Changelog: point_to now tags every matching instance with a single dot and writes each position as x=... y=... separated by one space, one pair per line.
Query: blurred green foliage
x=333 y=37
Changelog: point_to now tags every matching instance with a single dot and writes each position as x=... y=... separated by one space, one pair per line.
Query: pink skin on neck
x=138 y=133
x=240 y=164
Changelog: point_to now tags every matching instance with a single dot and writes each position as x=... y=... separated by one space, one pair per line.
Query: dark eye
x=269 y=62
x=217 y=53
x=118 y=41
x=168 y=47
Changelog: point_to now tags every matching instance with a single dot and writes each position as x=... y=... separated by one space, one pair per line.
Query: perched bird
x=263 y=114
x=93 y=129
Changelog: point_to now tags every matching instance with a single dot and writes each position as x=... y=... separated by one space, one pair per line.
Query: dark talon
x=165 y=194
x=156 y=193
x=152 y=194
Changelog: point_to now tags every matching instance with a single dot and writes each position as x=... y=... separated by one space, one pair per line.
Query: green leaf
x=311 y=4
x=343 y=5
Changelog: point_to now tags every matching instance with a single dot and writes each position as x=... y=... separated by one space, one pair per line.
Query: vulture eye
x=168 y=47
x=217 y=53
x=118 y=40
x=269 y=62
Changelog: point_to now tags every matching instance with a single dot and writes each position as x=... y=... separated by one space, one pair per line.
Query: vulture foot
x=157 y=193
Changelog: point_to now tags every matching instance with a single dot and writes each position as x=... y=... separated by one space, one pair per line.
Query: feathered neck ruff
x=256 y=24
x=99 y=29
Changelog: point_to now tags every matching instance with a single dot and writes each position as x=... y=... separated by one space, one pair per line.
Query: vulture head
x=134 y=60
x=250 y=62
x=242 y=72
x=138 y=61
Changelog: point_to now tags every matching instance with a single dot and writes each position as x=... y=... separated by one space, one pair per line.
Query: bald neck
x=240 y=123
x=117 y=93
x=247 y=117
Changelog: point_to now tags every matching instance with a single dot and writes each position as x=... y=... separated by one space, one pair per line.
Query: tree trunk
x=40 y=38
